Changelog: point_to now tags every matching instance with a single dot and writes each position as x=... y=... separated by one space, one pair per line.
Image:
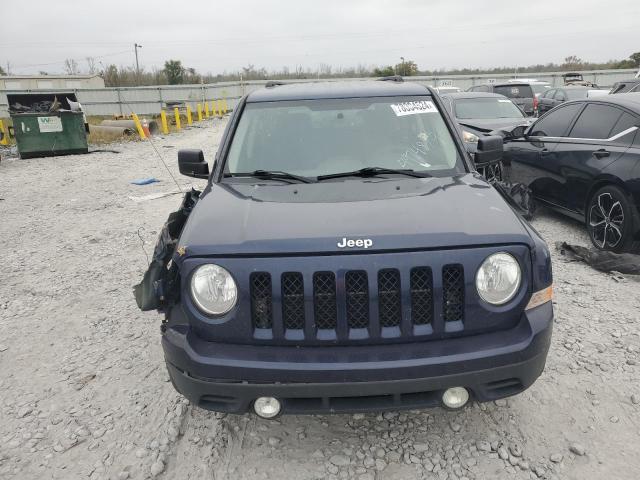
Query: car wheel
x=610 y=220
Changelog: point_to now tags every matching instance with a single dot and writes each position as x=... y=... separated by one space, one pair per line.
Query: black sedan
x=555 y=96
x=583 y=159
x=479 y=113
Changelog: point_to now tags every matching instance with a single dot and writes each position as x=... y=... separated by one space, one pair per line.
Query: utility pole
x=402 y=66
x=136 y=47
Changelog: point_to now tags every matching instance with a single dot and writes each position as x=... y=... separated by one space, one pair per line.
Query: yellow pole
x=199 y=112
x=176 y=113
x=138 y=125
x=189 y=119
x=213 y=108
x=206 y=109
x=224 y=104
x=165 y=125
x=220 y=112
x=4 y=135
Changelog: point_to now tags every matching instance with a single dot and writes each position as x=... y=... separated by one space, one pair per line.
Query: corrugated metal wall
x=150 y=100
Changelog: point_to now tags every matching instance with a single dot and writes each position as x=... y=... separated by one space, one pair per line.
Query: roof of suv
x=352 y=89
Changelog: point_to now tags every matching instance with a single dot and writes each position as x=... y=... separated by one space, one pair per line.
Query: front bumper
x=337 y=379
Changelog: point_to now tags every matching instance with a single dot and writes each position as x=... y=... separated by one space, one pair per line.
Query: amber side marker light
x=540 y=297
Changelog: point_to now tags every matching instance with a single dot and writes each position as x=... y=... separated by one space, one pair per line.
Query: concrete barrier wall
x=150 y=100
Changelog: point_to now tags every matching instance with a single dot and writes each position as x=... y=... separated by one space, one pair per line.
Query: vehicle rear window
x=596 y=121
x=320 y=137
x=577 y=94
x=514 y=91
x=539 y=88
x=491 y=107
x=556 y=122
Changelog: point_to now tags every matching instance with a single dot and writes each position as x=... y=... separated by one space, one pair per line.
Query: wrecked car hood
x=486 y=125
x=394 y=214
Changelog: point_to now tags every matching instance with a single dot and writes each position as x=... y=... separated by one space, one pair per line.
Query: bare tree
x=91 y=65
x=71 y=66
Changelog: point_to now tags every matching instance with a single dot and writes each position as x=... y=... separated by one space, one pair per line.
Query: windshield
x=322 y=137
x=491 y=107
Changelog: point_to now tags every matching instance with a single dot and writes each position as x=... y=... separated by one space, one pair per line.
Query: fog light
x=455 y=397
x=267 y=407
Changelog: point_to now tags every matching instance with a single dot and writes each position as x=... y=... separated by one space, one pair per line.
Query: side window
x=596 y=121
x=549 y=93
x=625 y=122
x=556 y=123
x=560 y=96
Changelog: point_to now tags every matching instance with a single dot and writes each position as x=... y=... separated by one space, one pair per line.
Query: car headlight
x=469 y=137
x=213 y=289
x=498 y=278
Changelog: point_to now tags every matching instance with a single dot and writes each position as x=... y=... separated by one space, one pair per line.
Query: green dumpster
x=47 y=133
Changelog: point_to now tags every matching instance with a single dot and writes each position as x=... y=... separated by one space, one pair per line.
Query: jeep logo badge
x=361 y=242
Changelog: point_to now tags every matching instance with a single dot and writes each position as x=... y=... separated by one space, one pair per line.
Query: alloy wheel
x=606 y=221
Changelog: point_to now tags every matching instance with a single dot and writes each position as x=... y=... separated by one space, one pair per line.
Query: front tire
x=610 y=220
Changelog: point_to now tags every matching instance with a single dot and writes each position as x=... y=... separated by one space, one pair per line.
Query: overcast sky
x=216 y=36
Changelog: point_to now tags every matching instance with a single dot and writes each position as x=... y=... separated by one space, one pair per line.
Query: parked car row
x=582 y=158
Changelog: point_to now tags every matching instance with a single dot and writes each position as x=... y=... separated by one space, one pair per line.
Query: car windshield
x=327 y=136
x=491 y=107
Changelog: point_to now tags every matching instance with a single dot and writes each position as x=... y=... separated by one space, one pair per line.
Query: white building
x=50 y=82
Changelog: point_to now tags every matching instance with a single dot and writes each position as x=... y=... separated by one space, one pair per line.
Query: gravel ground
x=84 y=393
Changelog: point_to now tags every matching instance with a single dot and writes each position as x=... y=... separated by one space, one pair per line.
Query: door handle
x=544 y=152
x=601 y=153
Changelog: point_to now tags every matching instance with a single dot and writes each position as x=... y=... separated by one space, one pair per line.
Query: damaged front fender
x=160 y=285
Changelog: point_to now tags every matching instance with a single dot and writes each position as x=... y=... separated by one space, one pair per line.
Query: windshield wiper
x=271 y=174
x=373 y=171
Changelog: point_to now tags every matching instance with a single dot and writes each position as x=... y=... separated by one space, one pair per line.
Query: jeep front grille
x=292 y=301
x=421 y=295
x=453 y=292
x=357 y=296
x=324 y=300
x=389 y=297
x=342 y=303
x=261 y=300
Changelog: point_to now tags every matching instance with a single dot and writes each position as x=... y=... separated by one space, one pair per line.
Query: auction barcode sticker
x=413 y=108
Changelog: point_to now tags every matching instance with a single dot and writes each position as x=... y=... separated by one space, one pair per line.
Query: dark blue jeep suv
x=345 y=256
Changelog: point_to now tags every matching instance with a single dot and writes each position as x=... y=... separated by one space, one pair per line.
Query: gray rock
x=483 y=446
x=501 y=402
x=123 y=475
x=577 y=449
x=24 y=411
x=503 y=453
x=274 y=441
x=141 y=452
x=157 y=468
x=340 y=460
x=99 y=432
x=380 y=464
x=455 y=426
x=515 y=449
x=421 y=447
x=556 y=457
x=366 y=476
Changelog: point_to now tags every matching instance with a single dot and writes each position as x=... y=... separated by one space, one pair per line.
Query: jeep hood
x=395 y=214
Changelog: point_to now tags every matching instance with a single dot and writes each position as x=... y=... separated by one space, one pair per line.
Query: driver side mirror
x=192 y=164
x=490 y=150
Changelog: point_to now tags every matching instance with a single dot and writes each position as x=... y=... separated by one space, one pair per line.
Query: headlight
x=498 y=278
x=213 y=289
x=468 y=137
